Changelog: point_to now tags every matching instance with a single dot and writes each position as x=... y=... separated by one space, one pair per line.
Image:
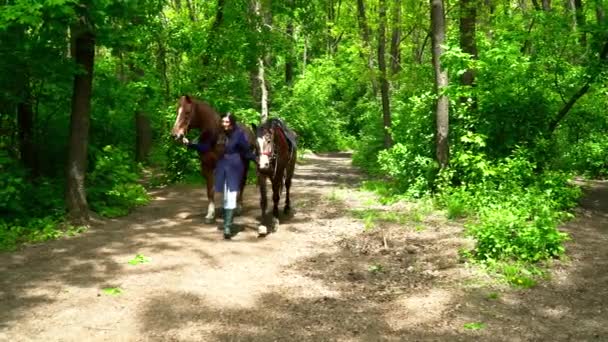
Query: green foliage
x=516 y=210
x=474 y=326
x=112 y=185
x=112 y=291
x=139 y=259
x=414 y=174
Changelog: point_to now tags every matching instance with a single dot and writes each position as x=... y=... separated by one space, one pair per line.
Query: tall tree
x=262 y=17
x=396 y=37
x=365 y=32
x=83 y=45
x=468 y=18
x=384 y=86
x=438 y=29
x=291 y=39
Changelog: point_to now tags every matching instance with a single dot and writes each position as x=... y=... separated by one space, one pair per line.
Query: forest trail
x=321 y=277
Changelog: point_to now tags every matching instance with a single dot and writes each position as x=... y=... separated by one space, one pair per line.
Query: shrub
x=113 y=189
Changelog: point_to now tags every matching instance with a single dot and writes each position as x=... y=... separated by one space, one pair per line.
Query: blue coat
x=230 y=168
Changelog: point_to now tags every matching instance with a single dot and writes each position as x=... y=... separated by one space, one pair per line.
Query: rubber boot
x=228 y=217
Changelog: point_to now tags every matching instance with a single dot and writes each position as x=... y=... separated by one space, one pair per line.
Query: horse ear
x=188 y=99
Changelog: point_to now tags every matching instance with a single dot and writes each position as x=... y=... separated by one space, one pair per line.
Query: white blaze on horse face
x=264 y=157
x=176 y=129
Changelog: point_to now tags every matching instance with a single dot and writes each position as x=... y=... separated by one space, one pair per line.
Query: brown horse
x=195 y=114
x=276 y=147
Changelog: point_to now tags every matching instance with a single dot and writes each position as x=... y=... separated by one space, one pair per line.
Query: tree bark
x=290 y=59
x=365 y=32
x=468 y=19
x=580 y=21
x=143 y=136
x=259 y=83
x=384 y=86
x=438 y=29
x=25 y=120
x=396 y=38
x=84 y=55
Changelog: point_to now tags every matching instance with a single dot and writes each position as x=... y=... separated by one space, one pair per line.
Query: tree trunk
x=366 y=37
x=259 y=80
x=547 y=5
x=84 y=55
x=263 y=91
x=468 y=18
x=384 y=86
x=396 y=38
x=290 y=59
x=438 y=29
x=25 y=120
x=143 y=136
x=580 y=21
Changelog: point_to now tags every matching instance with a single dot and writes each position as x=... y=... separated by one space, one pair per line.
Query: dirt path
x=320 y=278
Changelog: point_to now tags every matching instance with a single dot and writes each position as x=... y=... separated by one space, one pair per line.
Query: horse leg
x=288 y=178
x=239 y=198
x=277 y=186
x=262 y=230
x=210 y=218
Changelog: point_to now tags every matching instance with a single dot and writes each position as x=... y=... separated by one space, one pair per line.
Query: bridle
x=273 y=154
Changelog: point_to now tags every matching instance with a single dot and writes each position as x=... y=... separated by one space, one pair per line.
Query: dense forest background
x=489 y=107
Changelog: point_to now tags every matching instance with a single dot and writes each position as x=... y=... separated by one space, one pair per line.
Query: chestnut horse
x=195 y=114
x=276 y=147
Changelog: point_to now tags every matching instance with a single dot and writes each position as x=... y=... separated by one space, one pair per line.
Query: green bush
x=112 y=185
x=516 y=210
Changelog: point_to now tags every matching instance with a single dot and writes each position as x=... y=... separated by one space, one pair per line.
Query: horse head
x=269 y=141
x=185 y=113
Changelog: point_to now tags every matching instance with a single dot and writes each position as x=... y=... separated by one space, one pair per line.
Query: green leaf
x=139 y=259
x=112 y=291
x=474 y=326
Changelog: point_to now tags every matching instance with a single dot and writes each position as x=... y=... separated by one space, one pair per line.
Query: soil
x=323 y=276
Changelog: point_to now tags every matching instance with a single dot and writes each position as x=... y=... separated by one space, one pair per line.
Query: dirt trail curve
x=319 y=278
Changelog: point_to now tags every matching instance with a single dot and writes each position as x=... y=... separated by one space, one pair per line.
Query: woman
x=230 y=167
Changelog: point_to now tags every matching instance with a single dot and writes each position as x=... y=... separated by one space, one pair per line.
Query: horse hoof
x=275 y=225
x=209 y=220
x=262 y=230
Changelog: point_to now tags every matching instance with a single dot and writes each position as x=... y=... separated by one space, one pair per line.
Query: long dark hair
x=231 y=118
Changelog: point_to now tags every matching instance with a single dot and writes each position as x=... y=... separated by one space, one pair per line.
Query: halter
x=273 y=154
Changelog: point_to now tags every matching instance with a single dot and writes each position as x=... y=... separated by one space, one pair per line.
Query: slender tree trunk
x=580 y=21
x=258 y=12
x=384 y=86
x=366 y=37
x=582 y=91
x=290 y=59
x=438 y=29
x=25 y=120
x=396 y=38
x=84 y=55
x=468 y=18
x=143 y=136
x=547 y=5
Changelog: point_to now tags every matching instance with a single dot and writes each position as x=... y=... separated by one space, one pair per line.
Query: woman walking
x=230 y=166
